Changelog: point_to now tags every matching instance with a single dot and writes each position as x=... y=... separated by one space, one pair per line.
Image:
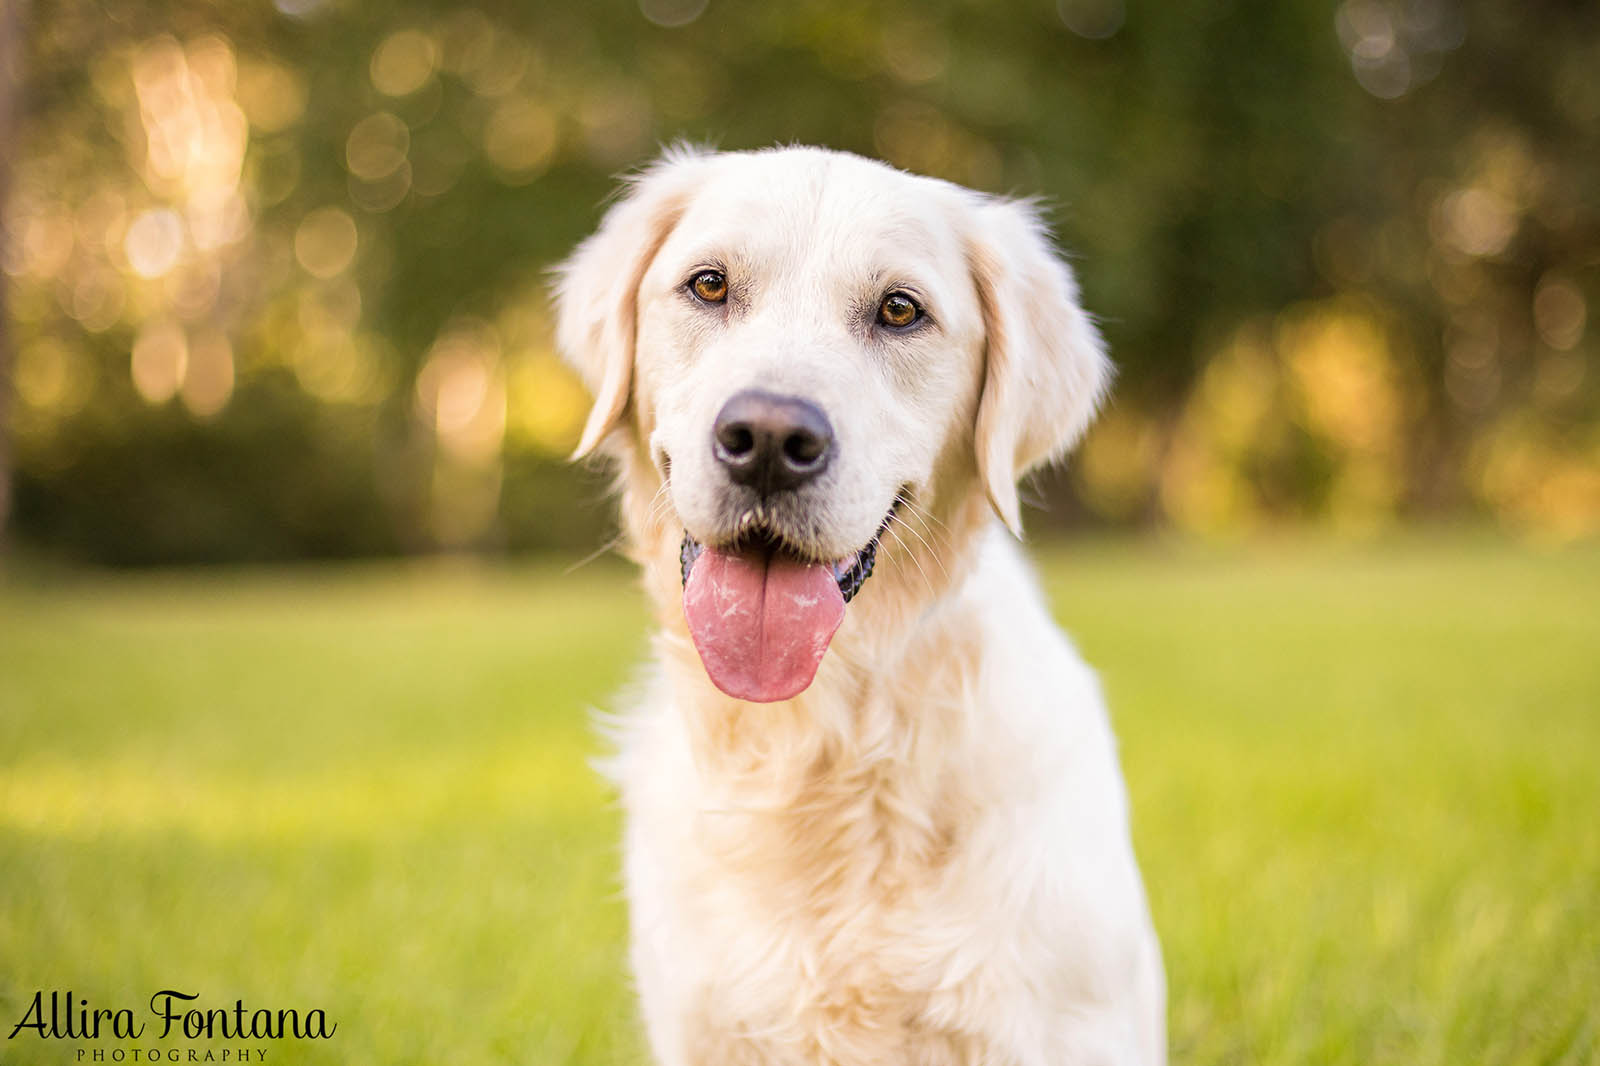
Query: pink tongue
x=761 y=623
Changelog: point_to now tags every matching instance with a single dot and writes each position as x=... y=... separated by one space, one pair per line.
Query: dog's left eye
x=898 y=311
x=710 y=285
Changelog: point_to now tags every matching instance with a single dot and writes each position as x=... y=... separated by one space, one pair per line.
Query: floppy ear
x=1045 y=367
x=597 y=288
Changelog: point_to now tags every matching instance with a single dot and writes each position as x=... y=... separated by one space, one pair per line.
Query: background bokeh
x=275 y=274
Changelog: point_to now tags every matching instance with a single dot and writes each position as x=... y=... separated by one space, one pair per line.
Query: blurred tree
x=277 y=272
x=10 y=76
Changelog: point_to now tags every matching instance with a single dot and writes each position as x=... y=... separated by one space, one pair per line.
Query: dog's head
x=798 y=347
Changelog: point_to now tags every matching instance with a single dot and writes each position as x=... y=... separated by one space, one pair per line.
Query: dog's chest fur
x=821 y=928
x=810 y=876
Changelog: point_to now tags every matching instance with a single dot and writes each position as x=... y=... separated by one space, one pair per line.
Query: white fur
x=924 y=858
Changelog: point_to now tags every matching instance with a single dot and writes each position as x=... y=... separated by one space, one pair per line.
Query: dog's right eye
x=710 y=286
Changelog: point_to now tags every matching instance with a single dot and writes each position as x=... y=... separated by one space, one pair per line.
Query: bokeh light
x=325 y=242
x=160 y=359
x=404 y=62
x=672 y=13
x=154 y=242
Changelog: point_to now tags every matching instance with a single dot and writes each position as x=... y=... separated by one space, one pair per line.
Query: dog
x=873 y=807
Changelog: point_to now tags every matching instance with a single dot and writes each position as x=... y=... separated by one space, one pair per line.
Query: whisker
x=914 y=560
x=911 y=510
x=921 y=512
x=660 y=503
x=611 y=544
x=933 y=554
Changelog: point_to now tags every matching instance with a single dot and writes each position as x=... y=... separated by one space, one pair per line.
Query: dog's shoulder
x=1029 y=663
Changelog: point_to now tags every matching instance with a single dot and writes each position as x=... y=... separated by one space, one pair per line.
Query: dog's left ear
x=1045 y=364
x=597 y=288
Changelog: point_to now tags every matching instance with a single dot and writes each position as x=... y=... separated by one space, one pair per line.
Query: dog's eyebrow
x=705 y=259
x=898 y=282
x=912 y=282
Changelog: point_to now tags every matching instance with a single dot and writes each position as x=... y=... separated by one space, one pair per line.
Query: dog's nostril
x=803 y=448
x=737 y=440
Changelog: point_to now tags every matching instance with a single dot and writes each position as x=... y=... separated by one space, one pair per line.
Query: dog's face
x=801 y=343
x=808 y=341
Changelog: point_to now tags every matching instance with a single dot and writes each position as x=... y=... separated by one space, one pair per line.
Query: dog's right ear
x=597 y=288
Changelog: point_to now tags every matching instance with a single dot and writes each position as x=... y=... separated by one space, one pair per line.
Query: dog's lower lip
x=688 y=552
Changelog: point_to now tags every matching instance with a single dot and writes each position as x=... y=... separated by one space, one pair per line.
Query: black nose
x=771 y=442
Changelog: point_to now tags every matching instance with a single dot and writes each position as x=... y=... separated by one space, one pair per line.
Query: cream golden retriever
x=874 y=811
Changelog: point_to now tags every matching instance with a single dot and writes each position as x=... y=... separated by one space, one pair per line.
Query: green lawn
x=1366 y=787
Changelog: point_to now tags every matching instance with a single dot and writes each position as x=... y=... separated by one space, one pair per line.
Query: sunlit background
x=275 y=275
x=274 y=293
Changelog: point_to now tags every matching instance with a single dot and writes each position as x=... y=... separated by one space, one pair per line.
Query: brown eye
x=710 y=285
x=898 y=311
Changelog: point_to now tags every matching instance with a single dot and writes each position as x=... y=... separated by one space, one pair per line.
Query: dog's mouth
x=754 y=536
x=761 y=613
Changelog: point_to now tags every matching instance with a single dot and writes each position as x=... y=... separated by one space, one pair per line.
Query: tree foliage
x=277 y=288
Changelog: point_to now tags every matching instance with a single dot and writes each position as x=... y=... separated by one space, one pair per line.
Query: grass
x=1366 y=787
